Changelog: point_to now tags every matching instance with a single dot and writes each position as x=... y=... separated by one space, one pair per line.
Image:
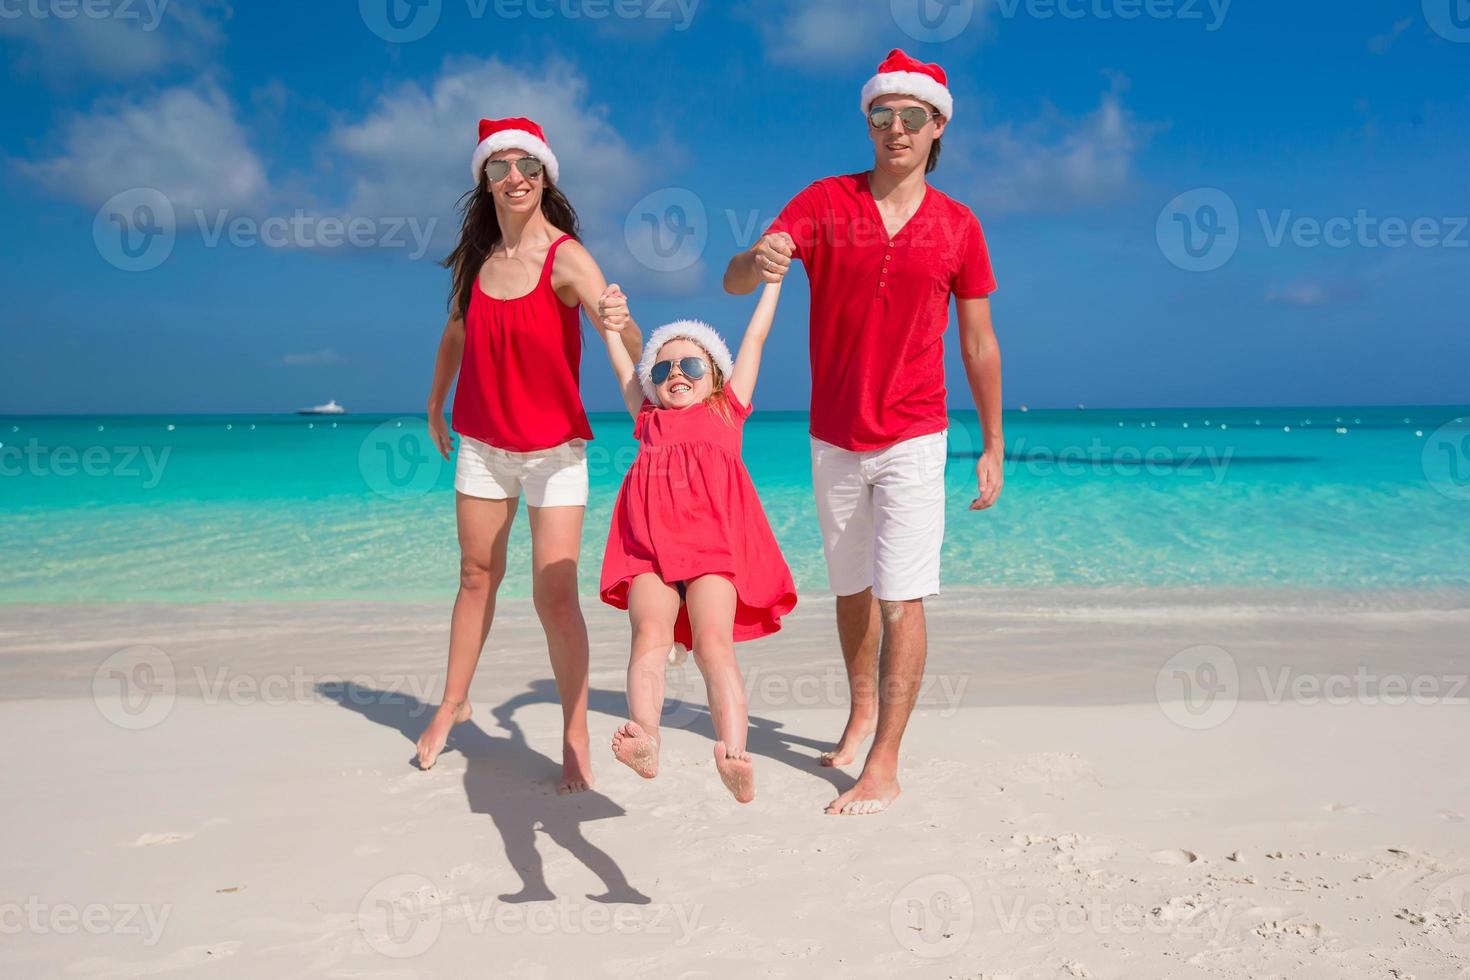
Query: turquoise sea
x=201 y=508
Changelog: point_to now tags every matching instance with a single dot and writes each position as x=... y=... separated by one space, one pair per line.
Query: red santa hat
x=515 y=133
x=696 y=330
x=900 y=74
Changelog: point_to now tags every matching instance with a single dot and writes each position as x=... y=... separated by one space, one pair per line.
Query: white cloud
x=1382 y=42
x=818 y=33
x=185 y=142
x=112 y=38
x=409 y=155
x=1306 y=293
x=1055 y=162
x=313 y=358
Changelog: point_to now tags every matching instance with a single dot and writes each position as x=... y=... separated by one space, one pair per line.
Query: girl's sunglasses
x=913 y=117
x=692 y=368
x=498 y=170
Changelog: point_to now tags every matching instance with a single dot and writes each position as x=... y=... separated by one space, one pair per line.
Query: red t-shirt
x=879 y=307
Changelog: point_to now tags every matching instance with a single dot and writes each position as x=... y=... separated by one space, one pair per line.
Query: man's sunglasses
x=913 y=117
x=692 y=368
x=498 y=170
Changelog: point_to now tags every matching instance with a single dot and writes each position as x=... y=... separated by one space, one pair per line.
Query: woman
x=514 y=338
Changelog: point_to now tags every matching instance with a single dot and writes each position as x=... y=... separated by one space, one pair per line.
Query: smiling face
x=516 y=192
x=896 y=149
x=678 y=391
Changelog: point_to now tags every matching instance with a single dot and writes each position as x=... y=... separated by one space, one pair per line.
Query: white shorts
x=882 y=516
x=555 y=477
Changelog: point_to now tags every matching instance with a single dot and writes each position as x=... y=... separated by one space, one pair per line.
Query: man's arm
x=981 y=354
x=768 y=260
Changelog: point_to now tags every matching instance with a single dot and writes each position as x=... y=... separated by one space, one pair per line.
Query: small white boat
x=330 y=408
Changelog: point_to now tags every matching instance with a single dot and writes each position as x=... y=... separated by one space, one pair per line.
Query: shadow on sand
x=515 y=784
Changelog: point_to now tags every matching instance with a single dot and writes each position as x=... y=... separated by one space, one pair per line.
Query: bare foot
x=576 y=766
x=858 y=731
x=431 y=742
x=871 y=794
x=737 y=773
x=636 y=749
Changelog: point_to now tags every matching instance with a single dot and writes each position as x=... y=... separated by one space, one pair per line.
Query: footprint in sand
x=148 y=840
x=1174 y=855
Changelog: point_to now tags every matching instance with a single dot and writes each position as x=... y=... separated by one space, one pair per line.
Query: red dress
x=687 y=508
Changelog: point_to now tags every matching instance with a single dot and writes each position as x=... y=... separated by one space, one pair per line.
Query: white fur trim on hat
x=512 y=139
x=701 y=333
x=913 y=83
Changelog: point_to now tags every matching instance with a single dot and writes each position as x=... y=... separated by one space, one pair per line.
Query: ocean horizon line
x=614 y=412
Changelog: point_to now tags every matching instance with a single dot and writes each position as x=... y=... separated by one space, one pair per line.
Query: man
x=884 y=252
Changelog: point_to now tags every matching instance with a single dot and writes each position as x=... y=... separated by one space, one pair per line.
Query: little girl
x=690 y=554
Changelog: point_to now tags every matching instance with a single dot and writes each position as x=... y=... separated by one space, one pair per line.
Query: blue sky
x=1082 y=138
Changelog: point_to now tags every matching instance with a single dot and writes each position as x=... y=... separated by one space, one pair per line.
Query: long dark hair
x=479 y=233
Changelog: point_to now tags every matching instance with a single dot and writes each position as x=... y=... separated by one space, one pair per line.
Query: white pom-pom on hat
x=696 y=330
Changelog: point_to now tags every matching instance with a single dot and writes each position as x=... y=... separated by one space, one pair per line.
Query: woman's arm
x=446 y=366
x=748 y=361
x=615 y=319
x=575 y=270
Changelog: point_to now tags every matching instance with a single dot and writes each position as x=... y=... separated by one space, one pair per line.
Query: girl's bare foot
x=576 y=766
x=431 y=742
x=858 y=731
x=736 y=772
x=636 y=749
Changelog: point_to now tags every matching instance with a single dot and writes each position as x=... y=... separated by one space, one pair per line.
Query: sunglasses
x=692 y=368
x=498 y=170
x=913 y=117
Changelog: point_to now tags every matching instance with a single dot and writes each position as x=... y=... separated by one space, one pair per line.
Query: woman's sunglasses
x=692 y=368
x=913 y=117
x=498 y=170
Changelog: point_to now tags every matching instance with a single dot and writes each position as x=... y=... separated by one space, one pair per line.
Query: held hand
x=989 y=476
x=612 y=308
x=439 y=432
x=773 y=256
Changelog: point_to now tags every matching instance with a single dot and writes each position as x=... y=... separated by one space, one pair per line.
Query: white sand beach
x=227 y=791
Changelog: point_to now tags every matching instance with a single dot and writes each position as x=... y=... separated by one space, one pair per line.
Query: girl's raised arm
x=615 y=319
x=748 y=361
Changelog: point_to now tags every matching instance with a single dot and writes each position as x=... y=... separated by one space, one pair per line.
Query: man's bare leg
x=484 y=531
x=858 y=631
x=900 y=673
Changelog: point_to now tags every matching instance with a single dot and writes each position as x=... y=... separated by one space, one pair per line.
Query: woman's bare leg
x=652 y=608
x=556 y=542
x=712 y=600
x=484 y=532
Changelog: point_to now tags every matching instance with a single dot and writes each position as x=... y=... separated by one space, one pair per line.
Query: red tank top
x=519 y=377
